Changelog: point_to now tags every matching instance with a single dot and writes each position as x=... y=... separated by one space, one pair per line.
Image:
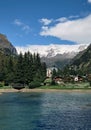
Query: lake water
x=45 y=111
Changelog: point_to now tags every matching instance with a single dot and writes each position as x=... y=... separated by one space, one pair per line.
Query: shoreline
x=44 y=90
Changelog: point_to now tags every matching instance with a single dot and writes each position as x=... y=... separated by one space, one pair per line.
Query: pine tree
x=9 y=70
x=28 y=70
x=22 y=69
x=19 y=73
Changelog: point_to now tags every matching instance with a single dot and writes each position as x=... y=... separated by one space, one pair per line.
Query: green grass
x=6 y=87
x=68 y=86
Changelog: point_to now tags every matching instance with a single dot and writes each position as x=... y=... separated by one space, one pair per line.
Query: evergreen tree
x=19 y=73
x=54 y=73
x=22 y=69
x=2 y=67
x=28 y=70
x=9 y=70
x=43 y=69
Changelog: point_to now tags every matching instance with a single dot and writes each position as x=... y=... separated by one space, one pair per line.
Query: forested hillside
x=20 y=68
x=82 y=61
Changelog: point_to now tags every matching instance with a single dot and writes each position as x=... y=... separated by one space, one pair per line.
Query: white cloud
x=44 y=49
x=18 y=22
x=89 y=1
x=78 y=30
x=45 y=21
x=63 y=19
x=23 y=26
x=44 y=28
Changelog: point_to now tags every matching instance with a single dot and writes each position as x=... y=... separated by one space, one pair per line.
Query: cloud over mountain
x=52 y=49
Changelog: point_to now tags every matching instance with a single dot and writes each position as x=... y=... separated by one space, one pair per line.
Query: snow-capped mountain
x=52 y=49
x=54 y=54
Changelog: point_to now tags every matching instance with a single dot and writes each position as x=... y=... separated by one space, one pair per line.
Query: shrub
x=90 y=83
x=47 y=81
x=34 y=84
x=1 y=85
x=6 y=84
x=53 y=83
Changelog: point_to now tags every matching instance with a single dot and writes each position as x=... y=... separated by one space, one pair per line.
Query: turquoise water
x=45 y=111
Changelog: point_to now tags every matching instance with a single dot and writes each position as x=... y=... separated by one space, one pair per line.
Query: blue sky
x=43 y=22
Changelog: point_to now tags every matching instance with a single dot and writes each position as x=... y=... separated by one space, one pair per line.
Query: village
x=60 y=80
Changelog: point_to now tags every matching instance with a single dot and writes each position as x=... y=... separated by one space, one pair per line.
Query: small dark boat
x=18 y=86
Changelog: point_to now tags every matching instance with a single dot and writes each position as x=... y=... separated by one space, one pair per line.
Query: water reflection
x=45 y=111
x=17 y=110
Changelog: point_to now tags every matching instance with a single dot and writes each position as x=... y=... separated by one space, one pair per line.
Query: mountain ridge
x=51 y=50
x=82 y=61
x=60 y=60
x=52 y=55
x=6 y=46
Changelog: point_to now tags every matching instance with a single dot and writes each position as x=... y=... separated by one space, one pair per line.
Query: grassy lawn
x=6 y=87
x=68 y=86
x=81 y=85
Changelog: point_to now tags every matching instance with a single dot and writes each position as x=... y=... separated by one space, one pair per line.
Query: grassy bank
x=81 y=85
x=6 y=87
x=68 y=86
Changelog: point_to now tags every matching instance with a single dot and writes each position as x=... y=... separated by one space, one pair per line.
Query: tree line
x=22 y=69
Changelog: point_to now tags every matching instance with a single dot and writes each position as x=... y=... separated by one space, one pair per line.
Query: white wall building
x=50 y=70
x=76 y=78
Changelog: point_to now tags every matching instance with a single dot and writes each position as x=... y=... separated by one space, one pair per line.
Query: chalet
x=78 y=78
x=58 y=80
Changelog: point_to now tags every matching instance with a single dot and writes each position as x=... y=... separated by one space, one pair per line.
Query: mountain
x=54 y=54
x=60 y=56
x=6 y=47
x=82 y=61
x=51 y=50
x=59 y=60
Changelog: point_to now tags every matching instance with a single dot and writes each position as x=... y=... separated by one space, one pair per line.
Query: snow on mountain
x=52 y=49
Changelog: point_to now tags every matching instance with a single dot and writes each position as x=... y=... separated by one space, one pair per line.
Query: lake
x=45 y=111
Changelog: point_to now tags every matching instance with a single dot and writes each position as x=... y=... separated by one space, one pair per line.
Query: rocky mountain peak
x=6 y=47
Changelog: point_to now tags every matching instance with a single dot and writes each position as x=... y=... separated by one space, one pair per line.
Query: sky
x=46 y=22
